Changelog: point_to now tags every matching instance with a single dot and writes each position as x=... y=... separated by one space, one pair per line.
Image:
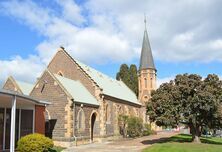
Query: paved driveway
x=124 y=145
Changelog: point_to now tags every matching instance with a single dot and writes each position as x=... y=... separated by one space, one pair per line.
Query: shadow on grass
x=154 y=141
x=184 y=138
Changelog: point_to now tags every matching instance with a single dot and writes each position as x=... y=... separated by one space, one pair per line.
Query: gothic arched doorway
x=93 y=119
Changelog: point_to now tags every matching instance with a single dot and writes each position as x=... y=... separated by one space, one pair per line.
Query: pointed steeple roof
x=146 y=59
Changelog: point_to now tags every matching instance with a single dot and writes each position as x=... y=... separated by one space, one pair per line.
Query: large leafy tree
x=190 y=100
x=129 y=76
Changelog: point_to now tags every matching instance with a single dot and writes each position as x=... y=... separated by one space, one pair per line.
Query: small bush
x=134 y=127
x=123 y=122
x=148 y=131
x=35 y=143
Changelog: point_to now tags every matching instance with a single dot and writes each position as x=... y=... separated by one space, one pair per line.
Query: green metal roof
x=78 y=92
x=110 y=86
x=25 y=87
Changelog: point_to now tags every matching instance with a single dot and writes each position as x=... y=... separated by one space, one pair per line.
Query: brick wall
x=63 y=63
x=53 y=93
x=119 y=107
x=9 y=85
x=147 y=83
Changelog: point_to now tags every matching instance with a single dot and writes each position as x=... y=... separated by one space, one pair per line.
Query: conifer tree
x=129 y=76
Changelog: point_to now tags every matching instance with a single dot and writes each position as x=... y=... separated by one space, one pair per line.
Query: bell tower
x=147 y=71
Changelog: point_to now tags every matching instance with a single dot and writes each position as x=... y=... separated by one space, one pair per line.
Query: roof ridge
x=96 y=70
x=108 y=85
x=79 y=65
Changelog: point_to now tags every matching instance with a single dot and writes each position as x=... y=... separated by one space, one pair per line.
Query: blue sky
x=185 y=36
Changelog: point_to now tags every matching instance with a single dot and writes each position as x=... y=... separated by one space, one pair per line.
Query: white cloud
x=111 y=31
x=217 y=44
x=71 y=11
x=179 y=31
x=22 y=69
x=27 y=12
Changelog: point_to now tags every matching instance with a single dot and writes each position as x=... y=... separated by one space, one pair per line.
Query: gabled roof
x=110 y=86
x=146 y=59
x=78 y=92
x=25 y=87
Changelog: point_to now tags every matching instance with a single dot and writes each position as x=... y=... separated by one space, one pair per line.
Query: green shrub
x=35 y=143
x=134 y=127
x=148 y=131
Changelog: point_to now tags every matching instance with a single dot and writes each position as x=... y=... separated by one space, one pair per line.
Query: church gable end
x=63 y=63
x=11 y=85
x=59 y=112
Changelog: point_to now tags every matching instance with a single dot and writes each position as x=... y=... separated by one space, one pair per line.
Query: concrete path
x=123 y=145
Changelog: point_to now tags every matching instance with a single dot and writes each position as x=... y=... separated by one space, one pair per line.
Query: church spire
x=146 y=59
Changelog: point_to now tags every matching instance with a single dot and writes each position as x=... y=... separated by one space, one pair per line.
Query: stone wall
x=47 y=89
x=10 y=85
x=88 y=111
x=63 y=63
x=147 y=83
x=118 y=107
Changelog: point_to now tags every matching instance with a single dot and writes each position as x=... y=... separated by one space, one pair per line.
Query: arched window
x=145 y=82
x=151 y=82
x=120 y=110
x=81 y=120
x=60 y=73
x=108 y=113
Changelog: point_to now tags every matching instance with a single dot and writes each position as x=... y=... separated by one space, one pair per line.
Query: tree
x=123 y=119
x=129 y=76
x=190 y=100
x=134 y=126
x=130 y=126
x=134 y=78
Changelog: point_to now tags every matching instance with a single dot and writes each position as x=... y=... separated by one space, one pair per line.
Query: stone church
x=85 y=103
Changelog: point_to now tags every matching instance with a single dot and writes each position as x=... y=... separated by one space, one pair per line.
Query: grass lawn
x=58 y=149
x=182 y=143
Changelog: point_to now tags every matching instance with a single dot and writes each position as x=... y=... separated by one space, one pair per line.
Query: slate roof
x=77 y=90
x=146 y=59
x=110 y=86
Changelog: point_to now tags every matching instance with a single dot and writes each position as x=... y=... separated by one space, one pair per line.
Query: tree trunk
x=196 y=139
x=195 y=131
